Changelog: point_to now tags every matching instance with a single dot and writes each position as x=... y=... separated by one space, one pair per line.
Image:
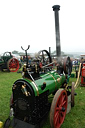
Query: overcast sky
x=31 y=22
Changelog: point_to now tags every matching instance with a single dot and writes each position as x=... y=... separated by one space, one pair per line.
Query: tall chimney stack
x=56 y=8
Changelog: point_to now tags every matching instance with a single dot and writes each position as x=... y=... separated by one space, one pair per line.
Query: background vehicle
x=8 y=62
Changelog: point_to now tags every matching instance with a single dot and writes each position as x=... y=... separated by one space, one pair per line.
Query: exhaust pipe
x=56 y=8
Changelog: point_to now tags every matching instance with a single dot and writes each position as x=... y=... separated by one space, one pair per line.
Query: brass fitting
x=24 y=90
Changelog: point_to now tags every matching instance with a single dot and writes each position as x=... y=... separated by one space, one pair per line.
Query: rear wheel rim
x=13 y=65
x=60 y=109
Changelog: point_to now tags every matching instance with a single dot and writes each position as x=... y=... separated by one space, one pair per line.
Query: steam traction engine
x=7 y=61
x=30 y=94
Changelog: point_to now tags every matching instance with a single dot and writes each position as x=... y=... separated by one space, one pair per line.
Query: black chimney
x=56 y=8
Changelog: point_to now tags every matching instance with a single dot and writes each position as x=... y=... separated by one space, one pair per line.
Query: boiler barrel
x=47 y=82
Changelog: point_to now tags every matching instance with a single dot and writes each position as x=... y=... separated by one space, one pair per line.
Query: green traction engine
x=8 y=62
x=42 y=88
x=30 y=100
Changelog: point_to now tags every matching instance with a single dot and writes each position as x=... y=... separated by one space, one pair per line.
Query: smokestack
x=56 y=8
x=50 y=50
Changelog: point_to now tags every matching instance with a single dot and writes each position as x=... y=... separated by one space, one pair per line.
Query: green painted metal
x=1 y=62
x=52 y=79
x=4 y=60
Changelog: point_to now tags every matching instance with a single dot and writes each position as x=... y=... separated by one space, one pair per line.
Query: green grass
x=6 y=81
x=75 y=119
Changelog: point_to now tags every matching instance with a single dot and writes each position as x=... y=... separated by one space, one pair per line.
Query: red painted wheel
x=58 y=108
x=13 y=65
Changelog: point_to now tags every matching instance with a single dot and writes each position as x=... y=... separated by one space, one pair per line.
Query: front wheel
x=58 y=108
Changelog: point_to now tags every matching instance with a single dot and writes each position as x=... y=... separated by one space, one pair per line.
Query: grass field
x=75 y=119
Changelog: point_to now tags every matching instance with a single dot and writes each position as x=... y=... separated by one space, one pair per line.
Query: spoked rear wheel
x=13 y=65
x=58 y=108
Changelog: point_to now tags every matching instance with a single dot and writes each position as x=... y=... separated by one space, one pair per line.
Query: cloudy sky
x=31 y=22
